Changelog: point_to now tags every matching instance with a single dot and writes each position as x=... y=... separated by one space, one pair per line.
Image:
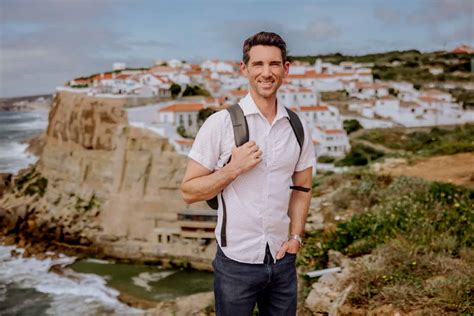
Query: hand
x=245 y=157
x=290 y=246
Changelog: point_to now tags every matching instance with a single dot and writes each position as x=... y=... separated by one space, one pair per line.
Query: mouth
x=266 y=84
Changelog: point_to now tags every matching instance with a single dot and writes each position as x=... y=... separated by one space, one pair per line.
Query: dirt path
x=378 y=147
x=457 y=169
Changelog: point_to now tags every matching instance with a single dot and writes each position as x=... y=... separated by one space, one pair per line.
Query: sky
x=44 y=43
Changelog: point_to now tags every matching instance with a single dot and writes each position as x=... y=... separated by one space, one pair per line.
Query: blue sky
x=45 y=43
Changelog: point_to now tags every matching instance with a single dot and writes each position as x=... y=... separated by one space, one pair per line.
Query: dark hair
x=266 y=39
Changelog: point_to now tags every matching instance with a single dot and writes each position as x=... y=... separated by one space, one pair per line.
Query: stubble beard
x=266 y=93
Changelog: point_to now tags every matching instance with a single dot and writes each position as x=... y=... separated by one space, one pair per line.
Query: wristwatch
x=297 y=238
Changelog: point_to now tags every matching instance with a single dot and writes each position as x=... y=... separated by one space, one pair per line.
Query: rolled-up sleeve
x=207 y=144
x=307 y=157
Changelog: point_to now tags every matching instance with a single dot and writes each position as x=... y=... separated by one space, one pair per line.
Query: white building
x=330 y=142
x=217 y=66
x=290 y=96
x=181 y=114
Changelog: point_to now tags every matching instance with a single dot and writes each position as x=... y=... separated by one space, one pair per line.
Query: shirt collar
x=249 y=107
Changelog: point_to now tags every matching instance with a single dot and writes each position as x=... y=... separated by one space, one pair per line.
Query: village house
x=217 y=66
x=330 y=142
x=181 y=114
x=290 y=95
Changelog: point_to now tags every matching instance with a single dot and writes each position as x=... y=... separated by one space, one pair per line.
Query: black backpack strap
x=241 y=136
x=239 y=124
x=297 y=127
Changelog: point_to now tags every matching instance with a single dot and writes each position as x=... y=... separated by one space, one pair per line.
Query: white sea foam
x=13 y=157
x=144 y=278
x=72 y=293
x=99 y=261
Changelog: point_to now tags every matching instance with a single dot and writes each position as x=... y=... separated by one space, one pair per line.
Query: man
x=259 y=240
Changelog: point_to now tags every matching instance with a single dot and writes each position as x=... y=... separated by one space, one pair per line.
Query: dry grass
x=411 y=280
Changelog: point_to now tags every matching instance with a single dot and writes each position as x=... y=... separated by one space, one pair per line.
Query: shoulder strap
x=297 y=127
x=239 y=124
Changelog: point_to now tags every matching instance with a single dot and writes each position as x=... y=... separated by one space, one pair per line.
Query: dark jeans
x=238 y=286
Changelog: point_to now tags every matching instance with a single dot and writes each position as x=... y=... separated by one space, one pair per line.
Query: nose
x=266 y=72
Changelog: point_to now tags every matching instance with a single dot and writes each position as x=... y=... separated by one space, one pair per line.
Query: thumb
x=282 y=251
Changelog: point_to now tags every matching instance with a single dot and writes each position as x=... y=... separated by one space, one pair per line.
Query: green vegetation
x=326 y=159
x=420 y=234
x=204 y=114
x=32 y=183
x=175 y=90
x=340 y=95
x=437 y=141
x=80 y=86
x=181 y=130
x=465 y=97
x=37 y=187
x=194 y=91
x=351 y=126
x=84 y=205
x=360 y=155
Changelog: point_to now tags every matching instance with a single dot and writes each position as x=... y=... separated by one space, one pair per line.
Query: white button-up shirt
x=257 y=201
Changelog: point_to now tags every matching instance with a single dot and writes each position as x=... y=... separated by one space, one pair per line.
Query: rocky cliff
x=101 y=183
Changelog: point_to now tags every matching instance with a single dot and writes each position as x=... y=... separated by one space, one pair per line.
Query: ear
x=286 y=68
x=243 y=69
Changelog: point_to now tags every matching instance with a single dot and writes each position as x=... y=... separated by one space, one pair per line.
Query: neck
x=267 y=106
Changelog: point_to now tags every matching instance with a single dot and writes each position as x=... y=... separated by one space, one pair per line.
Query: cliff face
x=102 y=182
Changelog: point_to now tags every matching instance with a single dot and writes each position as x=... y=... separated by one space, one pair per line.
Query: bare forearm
x=205 y=187
x=298 y=211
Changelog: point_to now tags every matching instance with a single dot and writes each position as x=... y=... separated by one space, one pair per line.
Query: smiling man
x=260 y=218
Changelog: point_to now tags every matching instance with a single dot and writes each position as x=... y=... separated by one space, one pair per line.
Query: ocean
x=15 y=128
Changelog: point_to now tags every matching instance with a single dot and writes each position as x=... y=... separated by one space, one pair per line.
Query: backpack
x=241 y=136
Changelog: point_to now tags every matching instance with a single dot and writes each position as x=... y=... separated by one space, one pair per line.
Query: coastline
x=40 y=251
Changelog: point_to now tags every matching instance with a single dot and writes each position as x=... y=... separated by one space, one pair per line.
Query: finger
x=249 y=144
x=282 y=251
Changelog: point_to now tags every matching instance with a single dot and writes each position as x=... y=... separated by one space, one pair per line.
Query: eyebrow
x=259 y=62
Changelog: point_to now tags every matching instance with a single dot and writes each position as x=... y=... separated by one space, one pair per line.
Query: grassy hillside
x=421 y=234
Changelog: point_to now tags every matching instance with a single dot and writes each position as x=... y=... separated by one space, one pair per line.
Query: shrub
x=418 y=210
x=351 y=126
x=326 y=159
x=194 y=91
x=360 y=155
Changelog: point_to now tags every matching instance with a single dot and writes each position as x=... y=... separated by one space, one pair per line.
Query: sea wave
x=14 y=157
x=71 y=293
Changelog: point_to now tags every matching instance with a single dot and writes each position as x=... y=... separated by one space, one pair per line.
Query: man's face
x=265 y=70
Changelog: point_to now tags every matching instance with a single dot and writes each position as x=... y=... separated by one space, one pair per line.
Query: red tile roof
x=314 y=108
x=185 y=141
x=182 y=107
x=409 y=104
x=334 y=131
x=428 y=99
